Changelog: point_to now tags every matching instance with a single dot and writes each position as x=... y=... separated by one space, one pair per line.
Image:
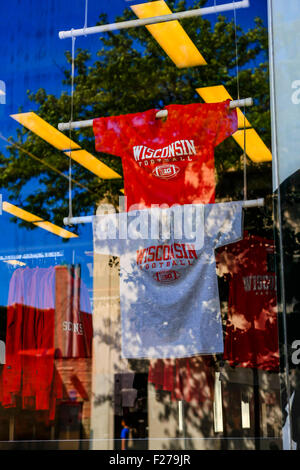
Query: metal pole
x=63 y=126
x=153 y=20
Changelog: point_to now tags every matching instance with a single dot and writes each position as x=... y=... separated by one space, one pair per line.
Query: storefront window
x=149 y=224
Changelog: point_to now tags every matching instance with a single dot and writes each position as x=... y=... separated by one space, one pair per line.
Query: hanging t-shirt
x=168 y=285
x=167 y=161
x=251 y=338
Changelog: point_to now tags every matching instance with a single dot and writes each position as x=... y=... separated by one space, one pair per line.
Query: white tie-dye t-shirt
x=169 y=295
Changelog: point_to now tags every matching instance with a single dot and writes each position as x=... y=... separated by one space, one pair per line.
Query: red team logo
x=166 y=276
x=166 y=171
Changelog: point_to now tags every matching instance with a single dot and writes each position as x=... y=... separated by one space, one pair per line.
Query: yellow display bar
x=60 y=141
x=14 y=262
x=61 y=232
x=92 y=164
x=256 y=149
x=20 y=213
x=38 y=221
x=45 y=131
x=170 y=35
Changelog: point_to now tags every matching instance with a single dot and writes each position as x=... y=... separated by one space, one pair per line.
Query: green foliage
x=131 y=73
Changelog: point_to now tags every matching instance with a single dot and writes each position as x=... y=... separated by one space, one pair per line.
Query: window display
x=149 y=250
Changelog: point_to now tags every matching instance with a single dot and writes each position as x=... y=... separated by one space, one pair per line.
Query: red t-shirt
x=251 y=338
x=167 y=161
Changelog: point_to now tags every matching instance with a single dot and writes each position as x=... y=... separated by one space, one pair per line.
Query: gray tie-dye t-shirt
x=169 y=295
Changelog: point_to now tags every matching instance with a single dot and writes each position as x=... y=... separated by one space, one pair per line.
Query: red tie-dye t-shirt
x=167 y=161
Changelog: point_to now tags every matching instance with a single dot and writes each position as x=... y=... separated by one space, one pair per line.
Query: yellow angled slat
x=61 y=232
x=170 y=35
x=29 y=217
x=14 y=262
x=92 y=164
x=256 y=149
x=60 y=141
x=20 y=213
x=45 y=131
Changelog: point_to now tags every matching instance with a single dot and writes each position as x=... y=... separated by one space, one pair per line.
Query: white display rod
x=89 y=218
x=153 y=20
x=64 y=126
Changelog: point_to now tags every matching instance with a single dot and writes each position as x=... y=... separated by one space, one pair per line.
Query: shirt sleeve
x=208 y=123
x=224 y=223
x=223 y=120
x=109 y=134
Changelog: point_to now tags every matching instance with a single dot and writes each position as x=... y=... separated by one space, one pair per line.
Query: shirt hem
x=181 y=356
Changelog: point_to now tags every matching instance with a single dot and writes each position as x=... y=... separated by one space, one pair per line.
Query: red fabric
x=56 y=394
x=44 y=360
x=190 y=379
x=1 y=383
x=28 y=360
x=74 y=328
x=13 y=367
x=38 y=378
x=251 y=338
x=182 y=170
x=29 y=372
